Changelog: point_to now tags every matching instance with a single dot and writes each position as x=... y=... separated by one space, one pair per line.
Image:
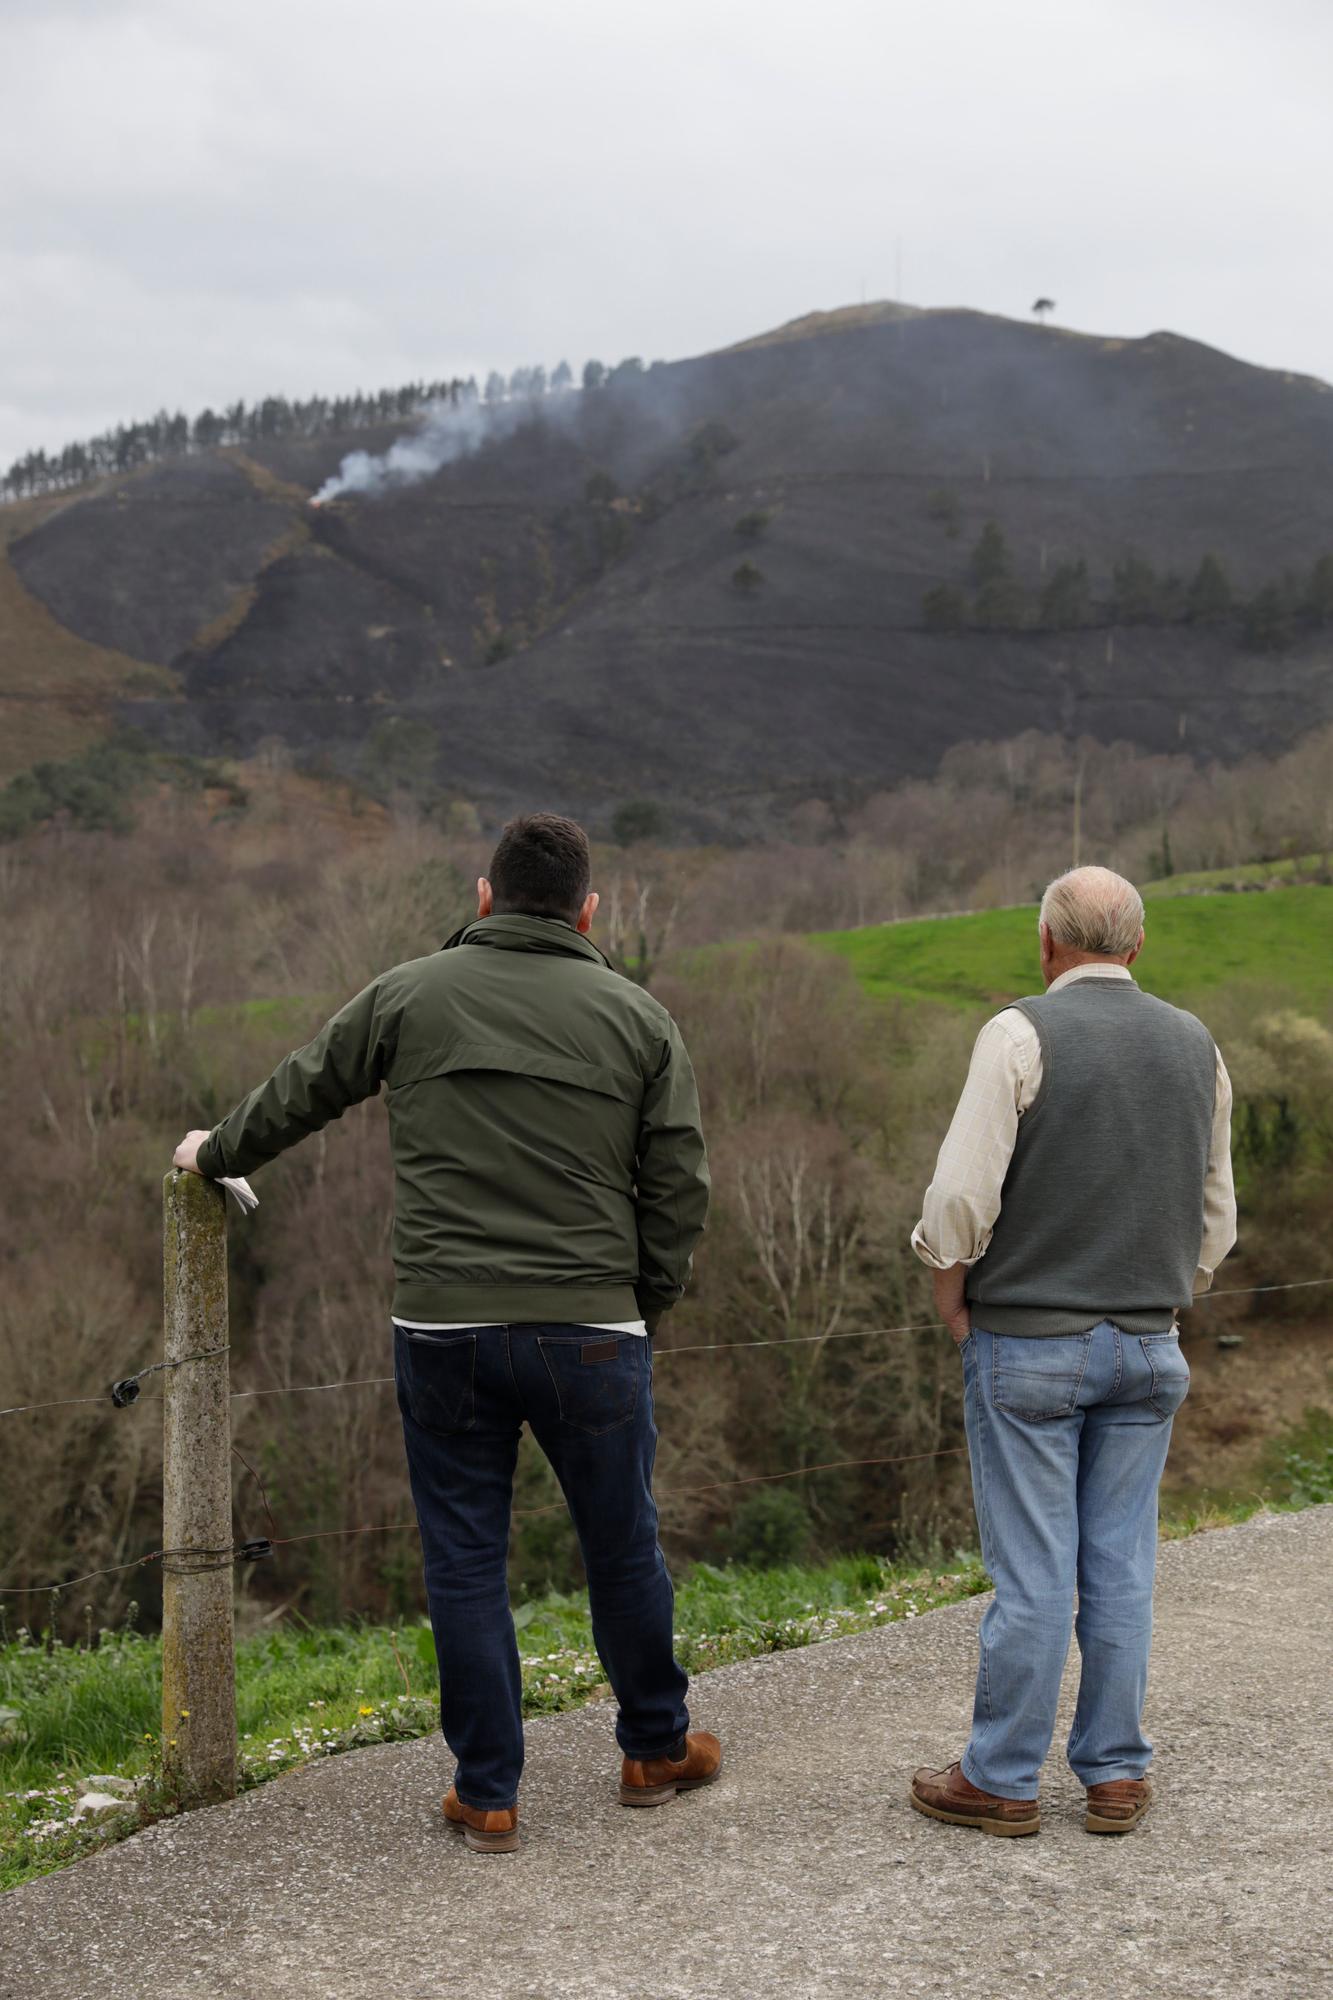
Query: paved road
x=801 y=1873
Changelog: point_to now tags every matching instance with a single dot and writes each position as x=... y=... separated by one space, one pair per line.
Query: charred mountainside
x=705 y=583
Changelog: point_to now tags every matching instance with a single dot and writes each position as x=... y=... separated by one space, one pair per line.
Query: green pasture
x=1247 y=874
x=1280 y=942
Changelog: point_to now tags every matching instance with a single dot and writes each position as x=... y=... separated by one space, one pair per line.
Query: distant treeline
x=169 y=434
x=994 y=599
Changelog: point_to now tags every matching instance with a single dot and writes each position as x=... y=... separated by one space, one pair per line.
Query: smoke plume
x=448 y=431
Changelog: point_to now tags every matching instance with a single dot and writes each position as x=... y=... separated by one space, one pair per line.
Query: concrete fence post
x=198 y=1654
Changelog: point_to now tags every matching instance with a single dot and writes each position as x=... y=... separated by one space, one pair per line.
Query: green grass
x=1195 y=944
x=1285 y=872
x=72 y=1711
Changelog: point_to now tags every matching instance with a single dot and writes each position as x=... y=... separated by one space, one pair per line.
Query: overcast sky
x=201 y=199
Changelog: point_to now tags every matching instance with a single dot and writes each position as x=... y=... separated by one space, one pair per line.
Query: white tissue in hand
x=244 y=1195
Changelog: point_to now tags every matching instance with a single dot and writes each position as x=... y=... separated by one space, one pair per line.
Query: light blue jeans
x=1067 y=1438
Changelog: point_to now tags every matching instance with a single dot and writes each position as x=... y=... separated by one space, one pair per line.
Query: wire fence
x=124 y=1400
x=124 y=1394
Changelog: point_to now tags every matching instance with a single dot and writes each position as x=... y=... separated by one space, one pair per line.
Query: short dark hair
x=541 y=868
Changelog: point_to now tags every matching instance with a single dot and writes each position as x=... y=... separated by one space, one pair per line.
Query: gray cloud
x=231 y=198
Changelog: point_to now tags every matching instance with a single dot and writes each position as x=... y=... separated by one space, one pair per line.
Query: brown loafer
x=652 y=1781
x=949 y=1796
x=493 y=1832
x=1117 y=1805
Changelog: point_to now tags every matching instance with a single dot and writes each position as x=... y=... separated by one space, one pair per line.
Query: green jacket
x=544 y=1122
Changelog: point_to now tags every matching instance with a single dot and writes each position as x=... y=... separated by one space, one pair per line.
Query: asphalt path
x=802 y=1872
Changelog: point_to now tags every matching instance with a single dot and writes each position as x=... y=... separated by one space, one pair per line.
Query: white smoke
x=448 y=431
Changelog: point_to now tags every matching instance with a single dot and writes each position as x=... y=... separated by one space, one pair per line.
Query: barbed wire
x=175 y=1562
x=196 y=1561
x=661 y=1354
x=193 y=1562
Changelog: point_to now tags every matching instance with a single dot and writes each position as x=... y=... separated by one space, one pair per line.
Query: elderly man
x=1082 y=1195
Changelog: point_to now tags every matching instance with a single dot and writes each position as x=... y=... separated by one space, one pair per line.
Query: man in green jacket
x=550 y=1187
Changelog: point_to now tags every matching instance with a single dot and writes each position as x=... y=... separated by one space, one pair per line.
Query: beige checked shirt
x=963 y=1200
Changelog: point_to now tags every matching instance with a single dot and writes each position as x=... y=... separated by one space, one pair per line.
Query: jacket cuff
x=653 y=1308
x=209 y=1160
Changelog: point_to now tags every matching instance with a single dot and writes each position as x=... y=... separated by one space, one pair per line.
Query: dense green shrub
x=769 y=1527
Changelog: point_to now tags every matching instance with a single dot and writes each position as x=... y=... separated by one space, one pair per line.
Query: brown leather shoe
x=493 y=1832
x=949 y=1796
x=652 y=1781
x=1117 y=1805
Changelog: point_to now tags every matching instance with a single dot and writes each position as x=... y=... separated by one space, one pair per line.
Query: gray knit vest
x=1101 y=1215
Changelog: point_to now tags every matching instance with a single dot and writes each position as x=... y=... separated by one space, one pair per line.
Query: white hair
x=1092 y=909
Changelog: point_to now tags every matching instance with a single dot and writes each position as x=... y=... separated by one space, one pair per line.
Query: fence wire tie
x=197 y=1562
x=126 y=1391
x=175 y=1562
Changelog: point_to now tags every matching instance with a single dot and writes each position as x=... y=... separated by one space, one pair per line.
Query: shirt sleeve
x=963 y=1200
x=1219 y=1191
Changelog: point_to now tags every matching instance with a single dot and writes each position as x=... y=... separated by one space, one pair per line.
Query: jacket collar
x=518 y=933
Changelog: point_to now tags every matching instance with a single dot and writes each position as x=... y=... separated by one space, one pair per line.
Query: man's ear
x=1137 y=949
x=485 y=897
x=1045 y=947
x=587 y=913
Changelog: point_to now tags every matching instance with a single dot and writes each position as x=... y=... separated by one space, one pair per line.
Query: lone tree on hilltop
x=1042 y=308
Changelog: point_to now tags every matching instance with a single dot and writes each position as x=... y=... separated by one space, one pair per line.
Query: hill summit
x=802 y=566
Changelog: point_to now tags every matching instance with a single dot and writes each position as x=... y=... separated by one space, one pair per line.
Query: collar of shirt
x=1090 y=972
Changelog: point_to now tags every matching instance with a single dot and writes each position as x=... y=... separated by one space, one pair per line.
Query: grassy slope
x=56 y=690
x=1195 y=944
x=1249 y=873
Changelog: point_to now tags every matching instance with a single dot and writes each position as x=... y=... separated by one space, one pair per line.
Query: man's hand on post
x=951 y=1301
x=186 y=1155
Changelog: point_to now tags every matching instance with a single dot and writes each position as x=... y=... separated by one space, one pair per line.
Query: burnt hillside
x=703 y=584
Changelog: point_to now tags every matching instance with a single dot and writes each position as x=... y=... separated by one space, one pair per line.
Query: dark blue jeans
x=588 y=1399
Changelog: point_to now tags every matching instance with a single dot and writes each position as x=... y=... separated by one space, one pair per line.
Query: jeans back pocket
x=1038 y=1377
x=595 y=1378
x=437 y=1379
x=1170 y=1372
